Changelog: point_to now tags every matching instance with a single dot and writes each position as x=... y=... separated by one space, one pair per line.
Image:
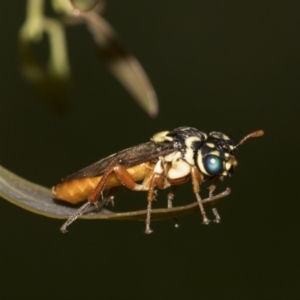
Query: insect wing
x=128 y=158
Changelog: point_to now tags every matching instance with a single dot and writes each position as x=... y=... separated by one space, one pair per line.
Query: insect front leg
x=196 y=180
x=125 y=179
x=212 y=188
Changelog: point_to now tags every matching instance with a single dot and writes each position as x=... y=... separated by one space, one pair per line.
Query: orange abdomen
x=76 y=190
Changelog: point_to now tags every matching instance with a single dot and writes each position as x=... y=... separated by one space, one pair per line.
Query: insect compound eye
x=213 y=164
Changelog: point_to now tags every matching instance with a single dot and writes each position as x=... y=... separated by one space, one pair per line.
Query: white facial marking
x=228 y=165
x=161 y=137
x=200 y=163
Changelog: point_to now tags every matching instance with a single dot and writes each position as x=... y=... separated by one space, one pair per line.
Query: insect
x=170 y=158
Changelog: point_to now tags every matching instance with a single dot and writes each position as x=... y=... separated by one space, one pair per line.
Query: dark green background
x=222 y=65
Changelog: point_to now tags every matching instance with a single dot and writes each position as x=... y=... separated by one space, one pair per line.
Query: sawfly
x=169 y=159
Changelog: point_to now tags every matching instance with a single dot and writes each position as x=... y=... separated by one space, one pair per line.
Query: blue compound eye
x=213 y=164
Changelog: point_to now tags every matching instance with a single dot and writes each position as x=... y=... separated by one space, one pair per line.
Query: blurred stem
x=32 y=31
x=32 y=28
x=62 y=6
x=58 y=63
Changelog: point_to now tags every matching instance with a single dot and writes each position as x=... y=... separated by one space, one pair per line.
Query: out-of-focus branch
x=122 y=64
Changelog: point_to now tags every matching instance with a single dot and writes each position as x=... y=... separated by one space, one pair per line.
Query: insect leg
x=73 y=217
x=171 y=195
x=217 y=218
x=109 y=196
x=212 y=188
x=157 y=180
x=196 y=180
x=170 y=198
x=123 y=176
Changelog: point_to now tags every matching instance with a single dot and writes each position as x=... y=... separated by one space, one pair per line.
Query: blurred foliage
x=53 y=80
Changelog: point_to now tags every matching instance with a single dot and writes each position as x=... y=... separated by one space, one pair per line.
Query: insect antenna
x=254 y=134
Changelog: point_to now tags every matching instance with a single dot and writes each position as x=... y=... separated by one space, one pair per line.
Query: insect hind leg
x=74 y=217
x=125 y=179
